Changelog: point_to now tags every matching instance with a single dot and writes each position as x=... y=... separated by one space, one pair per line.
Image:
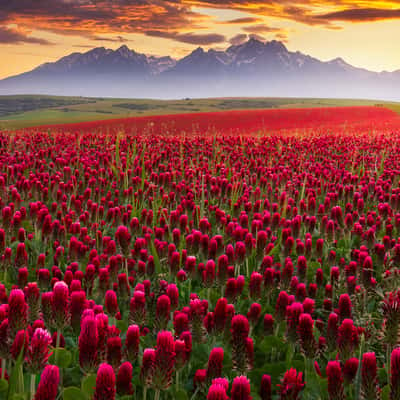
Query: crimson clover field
x=234 y=255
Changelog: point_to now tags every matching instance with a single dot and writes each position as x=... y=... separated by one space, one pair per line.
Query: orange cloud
x=178 y=20
x=361 y=15
x=18 y=36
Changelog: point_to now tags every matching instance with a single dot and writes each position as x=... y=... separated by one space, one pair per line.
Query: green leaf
x=122 y=325
x=383 y=376
x=88 y=385
x=154 y=253
x=73 y=393
x=14 y=383
x=3 y=385
x=61 y=357
x=18 y=397
x=126 y=397
x=385 y=393
x=180 y=395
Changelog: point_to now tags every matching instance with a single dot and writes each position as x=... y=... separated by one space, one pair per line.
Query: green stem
x=3 y=368
x=357 y=382
x=144 y=392
x=58 y=339
x=21 y=385
x=177 y=380
x=387 y=363
x=33 y=386
x=157 y=394
x=57 y=346
x=195 y=393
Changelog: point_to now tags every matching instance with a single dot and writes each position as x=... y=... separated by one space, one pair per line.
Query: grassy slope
x=75 y=109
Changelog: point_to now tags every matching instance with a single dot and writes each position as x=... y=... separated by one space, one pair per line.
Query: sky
x=364 y=33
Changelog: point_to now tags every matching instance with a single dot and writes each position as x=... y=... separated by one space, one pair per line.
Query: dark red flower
x=395 y=374
x=124 y=379
x=48 y=385
x=164 y=361
x=335 y=380
x=215 y=363
x=105 y=383
x=369 y=377
x=265 y=388
x=132 y=342
x=291 y=385
x=18 y=311
x=88 y=342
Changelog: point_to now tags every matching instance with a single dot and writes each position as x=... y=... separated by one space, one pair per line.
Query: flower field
x=238 y=255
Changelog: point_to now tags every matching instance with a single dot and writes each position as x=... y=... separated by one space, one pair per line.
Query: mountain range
x=253 y=68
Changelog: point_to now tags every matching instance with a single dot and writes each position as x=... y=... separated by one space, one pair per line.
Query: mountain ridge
x=254 y=68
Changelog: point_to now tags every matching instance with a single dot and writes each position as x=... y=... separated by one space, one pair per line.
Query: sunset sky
x=365 y=33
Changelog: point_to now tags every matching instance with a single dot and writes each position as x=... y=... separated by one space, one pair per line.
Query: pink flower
x=38 y=350
x=241 y=389
x=217 y=392
x=132 y=342
x=60 y=304
x=148 y=366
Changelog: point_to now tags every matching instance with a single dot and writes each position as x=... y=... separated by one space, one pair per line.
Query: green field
x=26 y=111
